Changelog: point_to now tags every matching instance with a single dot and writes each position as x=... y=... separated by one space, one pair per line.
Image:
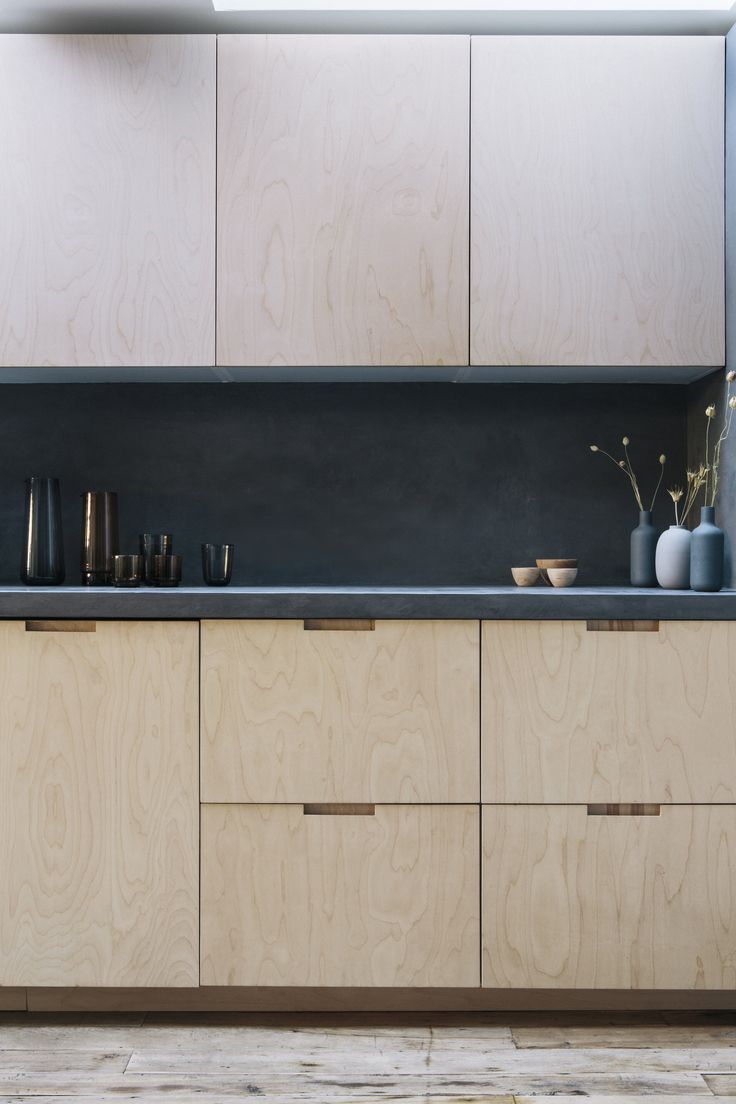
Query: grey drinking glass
x=166 y=571
x=43 y=543
x=153 y=544
x=217 y=563
x=99 y=537
x=127 y=571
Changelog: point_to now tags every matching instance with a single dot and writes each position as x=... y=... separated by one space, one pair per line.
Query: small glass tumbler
x=217 y=563
x=166 y=571
x=153 y=544
x=127 y=571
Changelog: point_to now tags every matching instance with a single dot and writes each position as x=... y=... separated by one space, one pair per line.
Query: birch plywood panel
x=343 y=199
x=577 y=901
x=98 y=806
x=107 y=184
x=388 y=715
x=383 y=900
x=597 y=201
x=577 y=716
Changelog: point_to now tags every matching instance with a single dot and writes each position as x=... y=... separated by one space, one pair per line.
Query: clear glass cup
x=127 y=571
x=217 y=563
x=166 y=571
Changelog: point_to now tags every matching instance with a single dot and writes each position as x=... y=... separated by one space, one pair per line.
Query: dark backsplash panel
x=395 y=484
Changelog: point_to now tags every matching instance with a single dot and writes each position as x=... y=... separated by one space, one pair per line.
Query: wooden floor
x=668 y=1058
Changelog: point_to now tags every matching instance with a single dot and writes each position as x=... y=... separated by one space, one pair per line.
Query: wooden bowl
x=545 y=565
x=562 y=576
x=525 y=576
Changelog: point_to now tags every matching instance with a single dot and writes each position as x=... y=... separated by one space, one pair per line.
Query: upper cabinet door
x=597 y=201
x=107 y=192
x=343 y=200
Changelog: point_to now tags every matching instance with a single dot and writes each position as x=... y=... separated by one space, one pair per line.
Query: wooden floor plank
x=721 y=1084
x=440 y=1057
x=308 y=1090
x=624 y=1036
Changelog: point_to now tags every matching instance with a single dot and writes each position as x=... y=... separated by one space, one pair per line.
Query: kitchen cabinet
x=574 y=900
x=385 y=711
x=597 y=201
x=107 y=186
x=343 y=200
x=340 y=895
x=573 y=715
x=99 y=808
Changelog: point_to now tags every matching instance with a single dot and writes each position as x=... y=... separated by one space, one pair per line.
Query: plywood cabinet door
x=390 y=714
x=597 y=201
x=572 y=715
x=343 y=199
x=385 y=898
x=107 y=193
x=99 y=805
x=576 y=901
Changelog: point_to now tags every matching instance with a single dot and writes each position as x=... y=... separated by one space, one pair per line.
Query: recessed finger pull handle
x=339 y=624
x=61 y=626
x=622 y=626
x=334 y=809
x=623 y=808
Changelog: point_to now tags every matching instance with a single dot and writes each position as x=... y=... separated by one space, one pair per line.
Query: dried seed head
x=594 y=448
x=731 y=376
x=625 y=441
x=710 y=411
x=662 y=458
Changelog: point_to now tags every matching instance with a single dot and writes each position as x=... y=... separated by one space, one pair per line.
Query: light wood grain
x=98 y=805
x=385 y=900
x=616 y=902
x=343 y=200
x=597 y=201
x=292 y=716
x=573 y=716
x=107 y=183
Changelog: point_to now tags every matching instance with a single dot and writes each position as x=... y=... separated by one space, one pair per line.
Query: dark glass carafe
x=43 y=543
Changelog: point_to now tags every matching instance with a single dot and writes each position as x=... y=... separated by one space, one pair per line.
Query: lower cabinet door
x=577 y=900
x=98 y=804
x=340 y=895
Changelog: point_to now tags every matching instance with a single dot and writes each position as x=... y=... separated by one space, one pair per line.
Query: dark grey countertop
x=494 y=603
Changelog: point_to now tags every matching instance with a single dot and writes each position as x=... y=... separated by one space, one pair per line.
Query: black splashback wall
x=384 y=484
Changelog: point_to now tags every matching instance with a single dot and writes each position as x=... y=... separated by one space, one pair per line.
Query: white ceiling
x=86 y=16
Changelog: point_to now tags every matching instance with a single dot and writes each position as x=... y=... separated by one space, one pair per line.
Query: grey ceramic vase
x=643 y=551
x=706 y=553
x=672 y=561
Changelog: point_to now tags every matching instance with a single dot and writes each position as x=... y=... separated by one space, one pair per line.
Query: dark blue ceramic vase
x=643 y=550
x=706 y=553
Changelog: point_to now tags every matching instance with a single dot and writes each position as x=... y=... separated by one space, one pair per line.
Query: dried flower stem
x=716 y=462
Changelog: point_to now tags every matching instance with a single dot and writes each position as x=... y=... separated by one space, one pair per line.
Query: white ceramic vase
x=672 y=561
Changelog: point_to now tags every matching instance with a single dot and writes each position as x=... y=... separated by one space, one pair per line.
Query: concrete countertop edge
x=493 y=603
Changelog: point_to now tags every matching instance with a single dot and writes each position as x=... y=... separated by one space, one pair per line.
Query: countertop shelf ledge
x=491 y=603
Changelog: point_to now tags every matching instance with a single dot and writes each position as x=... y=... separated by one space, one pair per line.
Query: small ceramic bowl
x=525 y=576
x=545 y=565
x=562 y=576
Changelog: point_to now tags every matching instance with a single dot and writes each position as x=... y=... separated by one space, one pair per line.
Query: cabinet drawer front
x=98 y=805
x=386 y=714
x=571 y=715
x=380 y=899
x=574 y=901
